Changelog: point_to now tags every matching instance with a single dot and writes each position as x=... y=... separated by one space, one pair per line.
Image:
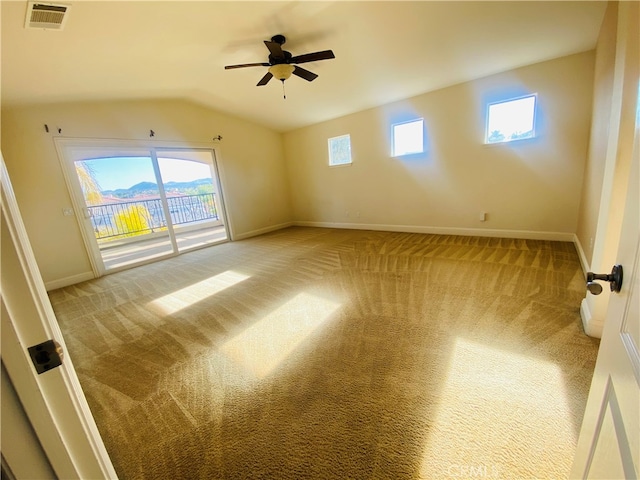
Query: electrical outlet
x=67 y=212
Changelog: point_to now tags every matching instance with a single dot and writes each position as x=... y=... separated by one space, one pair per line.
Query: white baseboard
x=581 y=255
x=476 y=232
x=591 y=328
x=260 y=231
x=66 y=281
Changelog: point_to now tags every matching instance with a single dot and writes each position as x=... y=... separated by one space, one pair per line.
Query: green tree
x=88 y=183
x=204 y=188
x=518 y=135
x=198 y=190
x=132 y=221
x=496 y=136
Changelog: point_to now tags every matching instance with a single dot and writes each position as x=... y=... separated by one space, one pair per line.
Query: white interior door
x=609 y=442
x=609 y=445
x=53 y=401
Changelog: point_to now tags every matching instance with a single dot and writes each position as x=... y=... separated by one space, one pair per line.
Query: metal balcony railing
x=128 y=219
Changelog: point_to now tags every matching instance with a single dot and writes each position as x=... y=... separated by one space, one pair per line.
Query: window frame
x=512 y=99
x=393 y=138
x=343 y=164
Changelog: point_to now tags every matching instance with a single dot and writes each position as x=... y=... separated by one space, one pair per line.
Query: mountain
x=152 y=188
x=143 y=187
x=186 y=185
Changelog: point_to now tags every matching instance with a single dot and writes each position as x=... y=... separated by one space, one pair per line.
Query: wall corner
x=584 y=263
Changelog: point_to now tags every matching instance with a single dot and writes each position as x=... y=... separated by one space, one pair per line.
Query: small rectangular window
x=408 y=138
x=511 y=120
x=340 y=150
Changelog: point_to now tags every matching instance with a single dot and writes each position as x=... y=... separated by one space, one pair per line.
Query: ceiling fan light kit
x=282 y=64
x=281 y=71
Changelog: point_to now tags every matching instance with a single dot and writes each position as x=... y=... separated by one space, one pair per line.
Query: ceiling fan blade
x=313 y=57
x=268 y=76
x=275 y=49
x=306 y=74
x=243 y=65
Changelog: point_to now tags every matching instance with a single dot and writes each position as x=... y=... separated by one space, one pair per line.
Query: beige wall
x=250 y=157
x=532 y=186
x=601 y=116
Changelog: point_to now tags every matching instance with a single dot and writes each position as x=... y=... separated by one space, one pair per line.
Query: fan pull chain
x=284 y=94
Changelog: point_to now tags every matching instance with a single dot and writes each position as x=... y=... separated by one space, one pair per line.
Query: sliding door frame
x=68 y=148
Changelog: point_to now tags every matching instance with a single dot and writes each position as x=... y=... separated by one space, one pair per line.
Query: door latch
x=614 y=278
x=46 y=355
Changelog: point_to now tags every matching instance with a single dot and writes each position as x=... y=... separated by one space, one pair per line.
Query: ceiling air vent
x=46 y=15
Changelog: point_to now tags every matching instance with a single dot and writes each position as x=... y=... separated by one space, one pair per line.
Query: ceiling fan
x=282 y=64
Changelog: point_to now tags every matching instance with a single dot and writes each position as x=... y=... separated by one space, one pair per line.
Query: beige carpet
x=335 y=354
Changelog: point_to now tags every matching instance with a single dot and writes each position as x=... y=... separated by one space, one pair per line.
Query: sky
x=514 y=116
x=124 y=172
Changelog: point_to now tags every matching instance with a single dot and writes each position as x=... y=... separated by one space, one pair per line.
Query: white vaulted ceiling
x=385 y=51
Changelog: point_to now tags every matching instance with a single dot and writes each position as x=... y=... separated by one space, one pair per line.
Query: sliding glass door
x=140 y=206
x=125 y=208
x=193 y=197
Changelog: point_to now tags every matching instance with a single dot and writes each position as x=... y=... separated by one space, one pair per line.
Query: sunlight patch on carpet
x=481 y=430
x=187 y=296
x=267 y=343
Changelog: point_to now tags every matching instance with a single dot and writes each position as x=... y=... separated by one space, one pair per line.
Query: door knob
x=594 y=288
x=614 y=278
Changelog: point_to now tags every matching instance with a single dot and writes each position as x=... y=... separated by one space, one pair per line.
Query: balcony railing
x=128 y=219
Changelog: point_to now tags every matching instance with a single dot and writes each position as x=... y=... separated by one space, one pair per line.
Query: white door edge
x=53 y=401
